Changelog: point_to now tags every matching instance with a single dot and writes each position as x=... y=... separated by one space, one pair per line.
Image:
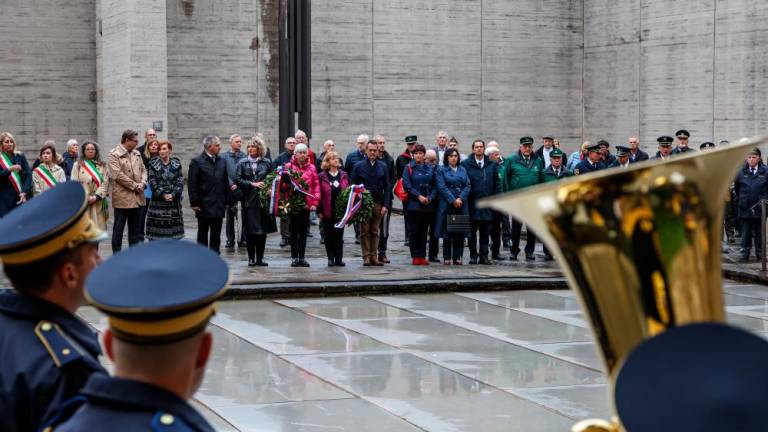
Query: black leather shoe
x=513 y=255
x=497 y=257
x=473 y=261
x=262 y=264
x=485 y=261
x=303 y=263
x=331 y=263
x=341 y=264
x=295 y=263
x=229 y=245
x=529 y=257
x=434 y=260
x=251 y=263
x=548 y=257
x=322 y=241
x=283 y=242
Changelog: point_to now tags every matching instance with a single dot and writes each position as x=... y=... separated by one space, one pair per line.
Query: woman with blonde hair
x=249 y=177
x=91 y=172
x=15 y=176
x=333 y=180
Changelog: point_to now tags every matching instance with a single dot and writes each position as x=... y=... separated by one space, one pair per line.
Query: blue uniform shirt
x=586 y=166
x=122 y=405
x=47 y=356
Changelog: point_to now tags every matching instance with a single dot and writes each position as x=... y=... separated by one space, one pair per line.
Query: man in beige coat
x=129 y=178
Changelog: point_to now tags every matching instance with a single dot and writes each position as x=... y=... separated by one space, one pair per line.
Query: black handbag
x=457 y=224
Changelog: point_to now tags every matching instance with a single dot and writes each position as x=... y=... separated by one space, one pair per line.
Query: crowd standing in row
x=439 y=188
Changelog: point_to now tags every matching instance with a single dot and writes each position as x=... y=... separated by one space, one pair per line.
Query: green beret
x=556 y=153
x=411 y=139
x=526 y=140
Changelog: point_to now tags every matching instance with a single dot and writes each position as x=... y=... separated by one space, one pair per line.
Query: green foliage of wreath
x=291 y=202
x=364 y=214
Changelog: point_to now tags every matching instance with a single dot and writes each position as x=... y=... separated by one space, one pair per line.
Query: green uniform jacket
x=516 y=174
x=549 y=174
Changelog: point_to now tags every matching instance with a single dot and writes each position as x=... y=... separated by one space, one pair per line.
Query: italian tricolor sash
x=46 y=175
x=92 y=171
x=14 y=178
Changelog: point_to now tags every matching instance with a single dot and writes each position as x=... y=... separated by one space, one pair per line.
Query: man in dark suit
x=208 y=192
x=635 y=154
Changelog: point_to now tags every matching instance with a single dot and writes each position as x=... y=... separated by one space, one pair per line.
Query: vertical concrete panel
x=676 y=69
x=532 y=70
x=611 y=70
x=48 y=71
x=427 y=69
x=219 y=60
x=342 y=76
x=741 y=69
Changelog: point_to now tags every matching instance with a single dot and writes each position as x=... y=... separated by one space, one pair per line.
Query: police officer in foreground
x=159 y=298
x=48 y=247
x=593 y=162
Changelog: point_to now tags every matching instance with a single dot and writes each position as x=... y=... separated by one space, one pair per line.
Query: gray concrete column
x=132 y=71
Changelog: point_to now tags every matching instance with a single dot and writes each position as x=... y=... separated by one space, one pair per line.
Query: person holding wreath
x=453 y=188
x=333 y=180
x=250 y=175
x=91 y=172
x=298 y=223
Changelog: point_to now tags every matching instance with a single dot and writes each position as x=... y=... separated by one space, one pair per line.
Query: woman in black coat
x=249 y=176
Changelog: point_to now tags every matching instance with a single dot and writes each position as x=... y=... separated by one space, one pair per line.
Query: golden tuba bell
x=640 y=246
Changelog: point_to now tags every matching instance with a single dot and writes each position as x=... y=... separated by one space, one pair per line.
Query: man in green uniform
x=522 y=170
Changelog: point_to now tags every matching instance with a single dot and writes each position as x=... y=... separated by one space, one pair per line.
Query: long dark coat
x=450 y=185
x=8 y=195
x=256 y=216
x=208 y=186
x=485 y=182
x=750 y=189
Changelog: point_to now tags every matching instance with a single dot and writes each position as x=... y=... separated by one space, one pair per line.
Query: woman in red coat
x=333 y=180
x=298 y=223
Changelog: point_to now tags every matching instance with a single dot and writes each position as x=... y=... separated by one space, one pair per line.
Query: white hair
x=431 y=152
x=363 y=137
x=491 y=150
x=232 y=137
x=71 y=142
x=300 y=132
x=300 y=148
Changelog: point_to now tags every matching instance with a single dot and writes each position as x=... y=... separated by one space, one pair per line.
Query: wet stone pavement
x=490 y=361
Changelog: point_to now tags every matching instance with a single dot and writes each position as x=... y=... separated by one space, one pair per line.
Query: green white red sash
x=14 y=178
x=92 y=171
x=46 y=175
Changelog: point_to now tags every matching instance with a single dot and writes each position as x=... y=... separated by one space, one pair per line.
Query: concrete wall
x=655 y=66
x=489 y=69
x=47 y=71
x=222 y=70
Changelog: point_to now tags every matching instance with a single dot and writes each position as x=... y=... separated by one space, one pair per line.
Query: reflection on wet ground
x=495 y=361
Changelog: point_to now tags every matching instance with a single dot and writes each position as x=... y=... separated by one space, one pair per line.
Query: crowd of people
x=143 y=186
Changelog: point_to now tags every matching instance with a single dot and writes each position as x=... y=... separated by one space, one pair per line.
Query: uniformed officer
x=593 y=161
x=554 y=172
x=622 y=157
x=665 y=148
x=707 y=145
x=522 y=169
x=159 y=298
x=48 y=247
x=682 y=142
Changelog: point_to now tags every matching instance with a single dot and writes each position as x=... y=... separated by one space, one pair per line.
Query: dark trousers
x=143 y=219
x=419 y=232
x=453 y=247
x=298 y=224
x=479 y=230
x=230 y=228
x=496 y=233
x=434 y=242
x=334 y=240
x=384 y=234
x=530 y=243
x=209 y=232
x=357 y=231
x=750 y=233
x=407 y=224
x=255 y=245
x=132 y=217
x=284 y=230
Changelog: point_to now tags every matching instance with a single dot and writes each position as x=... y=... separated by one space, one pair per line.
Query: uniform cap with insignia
x=594 y=148
x=55 y=221
x=665 y=140
x=549 y=137
x=411 y=139
x=556 y=153
x=526 y=140
x=622 y=150
x=158 y=292
x=707 y=144
x=682 y=133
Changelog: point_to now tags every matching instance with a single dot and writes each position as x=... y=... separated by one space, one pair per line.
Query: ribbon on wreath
x=274 y=203
x=354 y=204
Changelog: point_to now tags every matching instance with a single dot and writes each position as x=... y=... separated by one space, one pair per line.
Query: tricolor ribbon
x=14 y=177
x=276 y=189
x=92 y=171
x=46 y=175
x=354 y=204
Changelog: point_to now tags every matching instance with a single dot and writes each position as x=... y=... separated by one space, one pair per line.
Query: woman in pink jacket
x=298 y=223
